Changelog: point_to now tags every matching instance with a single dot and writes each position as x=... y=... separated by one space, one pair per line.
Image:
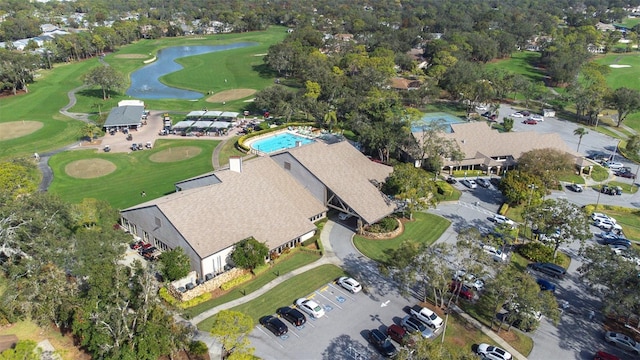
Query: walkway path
x=72 y=102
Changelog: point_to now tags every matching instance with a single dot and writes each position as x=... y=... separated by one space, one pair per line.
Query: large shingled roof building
x=275 y=200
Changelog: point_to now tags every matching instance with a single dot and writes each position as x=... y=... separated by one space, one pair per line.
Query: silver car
x=622 y=341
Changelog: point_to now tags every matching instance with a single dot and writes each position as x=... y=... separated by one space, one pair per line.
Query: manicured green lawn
x=243 y=68
x=228 y=150
x=630 y=22
x=135 y=173
x=622 y=77
x=285 y=294
x=45 y=98
x=425 y=228
x=520 y=62
x=296 y=260
x=599 y=173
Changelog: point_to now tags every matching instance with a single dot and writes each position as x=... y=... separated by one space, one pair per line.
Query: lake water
x=145 y=83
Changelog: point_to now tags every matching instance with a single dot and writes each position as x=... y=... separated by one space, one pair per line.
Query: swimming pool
x=444 y=118
x=285 y=140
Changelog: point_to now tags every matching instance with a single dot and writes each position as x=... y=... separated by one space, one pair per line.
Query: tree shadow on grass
x=264 y=71
x=96 y=93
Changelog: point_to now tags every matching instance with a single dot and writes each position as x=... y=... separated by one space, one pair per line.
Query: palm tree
x=580 y=132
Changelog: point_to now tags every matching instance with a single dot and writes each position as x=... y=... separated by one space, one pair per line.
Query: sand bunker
x=89 y=168
x=265 y=54
x=16 y=129
x=616 y=66
x=175 y=154
x=229 y=95
x=131 y=56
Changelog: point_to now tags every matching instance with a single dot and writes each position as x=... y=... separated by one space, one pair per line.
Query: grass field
x=285 y=293
x=202 y=73
x=45 y=98
x=520 y=62
x=135 y=173
x=296 y=260
x=425 y=228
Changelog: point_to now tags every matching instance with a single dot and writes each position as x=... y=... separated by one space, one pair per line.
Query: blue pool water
x=444 y=118
x=279 y=142
x=145 y=82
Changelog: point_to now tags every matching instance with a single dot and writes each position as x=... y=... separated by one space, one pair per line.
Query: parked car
x=550 y=269
x=400 y=335
x=469 y=280
x=530 y=122
x=618 y=249
x=596 y=215
x=517 y=115
x=451 y=180
x=350 y=284
x=501 y=219
x=575 y=188
x=469 y=183
x=607 y=224
x=412 y=324
x=613 y=165
x=310 y=307
x=427 y=316
x=621 y=241
x=624 y=174
x=601 y=355
x=608 y=236
x=491 y=352
x=622 y=341
x=294 y=316
x=460 y=289
x=496 y=254
x=275 y=325
x=537 y=117
x=344 y=216
x=485 y=183
x=546 y=285
x=381 y=342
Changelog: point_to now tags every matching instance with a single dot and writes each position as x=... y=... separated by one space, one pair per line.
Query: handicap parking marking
x=269 y=335
x=329 y=300
x=342 y=291
x=340 y=299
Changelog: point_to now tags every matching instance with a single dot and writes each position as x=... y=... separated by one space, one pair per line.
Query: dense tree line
x=61 y=266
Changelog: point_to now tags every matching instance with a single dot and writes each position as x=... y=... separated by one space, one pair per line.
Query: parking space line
x=342 y=291
x=264 y=332
x=331 y=301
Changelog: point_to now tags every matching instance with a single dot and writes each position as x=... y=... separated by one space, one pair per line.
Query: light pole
x=530 y=186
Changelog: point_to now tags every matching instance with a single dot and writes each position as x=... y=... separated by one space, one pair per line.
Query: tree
x=580 y=132
x=90 y=130
x=106 y=77
x=625 y=101
x=249 y=253
x=633 y=144
x=516 y=187
x=613 y=278
x=175 y=264
x=507 y=124
x=17 y=70
x=432 y=146
x=232 y=329
x=413 y=185
x=547 y=164
x=18 y=177
x=23 y=350
x=559 y=222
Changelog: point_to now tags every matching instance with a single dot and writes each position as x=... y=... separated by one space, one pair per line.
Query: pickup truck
x=427 y=316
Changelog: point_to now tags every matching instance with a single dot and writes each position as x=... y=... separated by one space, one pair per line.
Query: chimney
x=235 y=164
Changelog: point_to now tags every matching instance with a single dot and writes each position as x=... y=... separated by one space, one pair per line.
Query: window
x=158 y=222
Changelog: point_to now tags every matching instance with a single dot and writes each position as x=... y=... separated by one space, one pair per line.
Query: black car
x=619 y=242
x=382 y=343
x=548 y=268
x=294 y=316
x=275 y=325
x=485 y=183
x=451 y=180
x=626 y=174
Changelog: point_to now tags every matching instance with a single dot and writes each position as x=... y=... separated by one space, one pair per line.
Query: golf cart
x=107 y=148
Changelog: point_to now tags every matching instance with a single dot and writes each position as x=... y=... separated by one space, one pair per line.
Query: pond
x=145 y=83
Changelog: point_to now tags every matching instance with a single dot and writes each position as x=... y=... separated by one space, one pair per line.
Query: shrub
x=503 y=209
x=195 y=301
x=235 y=282
x=198 y=348
x=164 y=295
x=385 y=225
x=536 y=251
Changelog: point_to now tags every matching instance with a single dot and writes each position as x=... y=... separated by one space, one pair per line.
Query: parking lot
x=341 y=333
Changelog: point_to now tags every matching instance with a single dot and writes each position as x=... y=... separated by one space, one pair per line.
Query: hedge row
x=237 y=281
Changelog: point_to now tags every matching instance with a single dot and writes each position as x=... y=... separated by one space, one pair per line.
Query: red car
x=459 y=288
x=530 y=122
x=400 y=335
x=601 y=355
